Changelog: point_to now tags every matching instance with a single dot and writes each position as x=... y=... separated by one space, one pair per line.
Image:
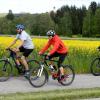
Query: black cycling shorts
x=25 y=51
x=61 y=58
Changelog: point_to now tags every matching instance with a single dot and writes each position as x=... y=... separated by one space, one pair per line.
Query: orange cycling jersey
x=58 y=46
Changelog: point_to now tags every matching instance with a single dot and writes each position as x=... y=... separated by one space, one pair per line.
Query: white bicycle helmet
x=51 y=33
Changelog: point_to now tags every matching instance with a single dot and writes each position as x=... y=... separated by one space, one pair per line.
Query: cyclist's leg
x=51 y=57
x=24 y=62
x=26 y=53
x=61 y=60
x=17 y=53
x=17 y=59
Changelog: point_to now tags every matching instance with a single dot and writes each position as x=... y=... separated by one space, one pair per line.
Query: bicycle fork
x=40 y=70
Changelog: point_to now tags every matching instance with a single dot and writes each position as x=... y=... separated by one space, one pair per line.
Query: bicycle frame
x=40 y=70
x=43 y=63
x=13 y=56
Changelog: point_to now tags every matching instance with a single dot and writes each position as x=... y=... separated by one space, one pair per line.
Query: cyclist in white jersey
x=26 y=46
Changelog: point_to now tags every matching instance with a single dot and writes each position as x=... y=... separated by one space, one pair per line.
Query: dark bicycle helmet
x=51 y=33
x=20 y=26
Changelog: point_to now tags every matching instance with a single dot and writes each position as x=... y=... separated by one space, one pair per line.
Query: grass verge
x=68 y=94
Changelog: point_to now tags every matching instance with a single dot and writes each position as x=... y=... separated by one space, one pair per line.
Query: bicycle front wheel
x=5 y=70
x=95 y=67
x=34 y=79
x=69 y=75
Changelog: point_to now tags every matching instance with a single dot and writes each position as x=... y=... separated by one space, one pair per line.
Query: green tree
x=88 y=25
x=65 y=25
x=97 y=22
x=42 y=24
x=60 y=13
x=6 y=26
x=81 y=13
x=74 y=18
x=93 y=7
x=10 y=15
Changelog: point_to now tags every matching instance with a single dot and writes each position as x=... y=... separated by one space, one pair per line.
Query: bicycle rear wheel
x=95 y=67
x=5 y=70
x=69 y=75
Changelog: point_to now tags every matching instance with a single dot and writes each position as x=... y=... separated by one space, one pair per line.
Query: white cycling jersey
x=28 y=44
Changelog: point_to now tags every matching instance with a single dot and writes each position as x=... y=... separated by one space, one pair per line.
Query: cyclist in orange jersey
x=58 y=50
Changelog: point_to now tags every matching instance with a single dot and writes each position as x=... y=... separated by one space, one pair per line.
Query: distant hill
x=16 y=15
x=3 y=14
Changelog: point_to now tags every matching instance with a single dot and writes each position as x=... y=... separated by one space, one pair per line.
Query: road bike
x=95 y=65
x=39 y=75
x=7 y=65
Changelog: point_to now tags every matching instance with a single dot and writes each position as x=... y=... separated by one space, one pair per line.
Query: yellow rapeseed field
x=39 y=43
x=82 y=45
x=81 y=52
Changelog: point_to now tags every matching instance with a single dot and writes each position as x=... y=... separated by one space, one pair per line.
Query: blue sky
x=39 y=6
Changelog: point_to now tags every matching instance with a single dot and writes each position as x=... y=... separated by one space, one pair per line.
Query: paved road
x=20 y=84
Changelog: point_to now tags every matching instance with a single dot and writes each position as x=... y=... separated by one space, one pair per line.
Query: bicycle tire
x=5 y=70
x=69 y=75
x=34 y=80
x=95 y=67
